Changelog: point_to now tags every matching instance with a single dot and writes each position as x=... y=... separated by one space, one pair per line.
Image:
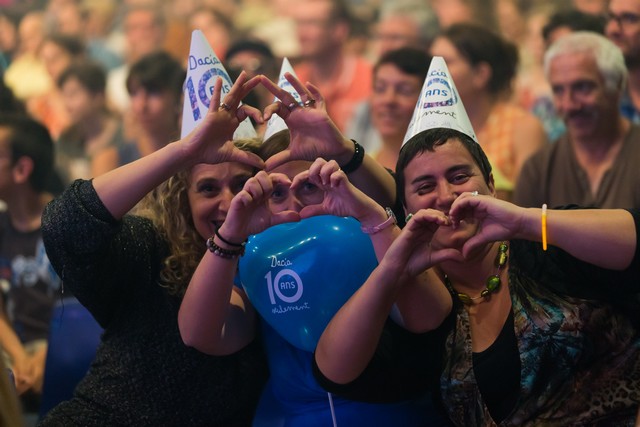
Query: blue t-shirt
x=292 y=396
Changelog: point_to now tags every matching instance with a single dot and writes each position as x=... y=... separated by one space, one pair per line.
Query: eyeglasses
x=623 y=19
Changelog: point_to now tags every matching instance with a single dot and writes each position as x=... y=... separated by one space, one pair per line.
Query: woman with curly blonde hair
x=167 y=206
x=131 y=270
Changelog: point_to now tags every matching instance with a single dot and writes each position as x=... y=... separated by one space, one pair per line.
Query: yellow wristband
x=544 y=227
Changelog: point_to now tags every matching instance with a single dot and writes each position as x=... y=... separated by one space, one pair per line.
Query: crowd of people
x=484 y=148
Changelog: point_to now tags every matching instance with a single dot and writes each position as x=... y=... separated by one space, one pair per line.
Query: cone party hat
x=275 y=123
x=203 y=69
x=439 y=105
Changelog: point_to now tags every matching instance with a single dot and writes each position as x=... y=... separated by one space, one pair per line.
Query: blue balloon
x=298 y=275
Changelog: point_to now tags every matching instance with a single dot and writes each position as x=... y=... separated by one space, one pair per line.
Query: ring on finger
x=309 y=103
x=474 y=193
x=292 y=106
x=225 y=106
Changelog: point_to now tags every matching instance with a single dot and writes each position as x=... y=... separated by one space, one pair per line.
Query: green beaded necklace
x=493 y=282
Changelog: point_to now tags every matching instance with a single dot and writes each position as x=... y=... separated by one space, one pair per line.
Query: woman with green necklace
x=526 y=336
x=524 y=333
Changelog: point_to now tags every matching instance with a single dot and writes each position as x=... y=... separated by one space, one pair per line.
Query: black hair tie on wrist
x=356 y=160
x=237 y=245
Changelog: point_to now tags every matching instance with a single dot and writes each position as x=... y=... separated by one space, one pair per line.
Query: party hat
x=203 y=69
x=439 y=105
x=275 y=123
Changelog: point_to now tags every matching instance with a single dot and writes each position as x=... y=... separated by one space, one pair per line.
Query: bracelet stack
x=225 y=253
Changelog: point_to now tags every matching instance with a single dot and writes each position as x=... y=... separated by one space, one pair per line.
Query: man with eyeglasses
x=623 y=29
x=595 y=164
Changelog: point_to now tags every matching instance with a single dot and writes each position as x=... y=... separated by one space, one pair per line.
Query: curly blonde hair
x=167 y=206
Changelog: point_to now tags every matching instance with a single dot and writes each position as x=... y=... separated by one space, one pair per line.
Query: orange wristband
x=544 y=227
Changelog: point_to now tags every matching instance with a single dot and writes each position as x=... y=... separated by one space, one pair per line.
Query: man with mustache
x=595 y=163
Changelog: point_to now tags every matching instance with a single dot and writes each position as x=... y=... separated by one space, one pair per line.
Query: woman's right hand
x=411 y=252
x=498 y=219
x=212 y=141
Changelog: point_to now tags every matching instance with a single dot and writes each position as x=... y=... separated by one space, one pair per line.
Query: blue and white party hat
x=439 y=105
x=203 y=69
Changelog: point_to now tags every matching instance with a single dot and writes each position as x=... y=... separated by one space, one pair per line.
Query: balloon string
x=333 y=410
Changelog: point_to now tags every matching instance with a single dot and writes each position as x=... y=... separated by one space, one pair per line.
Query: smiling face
x=393 y=100
x=580 y=95
x=433 y=180
x=284 y=199
x=211 y=188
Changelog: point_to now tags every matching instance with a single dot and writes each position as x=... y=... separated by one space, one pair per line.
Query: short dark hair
x=157 y=72
x=90 y=74
x=30 y=138
x=428 y=140
x=409 y=60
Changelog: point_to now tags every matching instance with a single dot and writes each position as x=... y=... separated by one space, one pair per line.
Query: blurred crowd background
x=39 y=38
x=105 y=77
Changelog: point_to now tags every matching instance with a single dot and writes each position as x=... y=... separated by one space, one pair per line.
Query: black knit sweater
x=143 y=374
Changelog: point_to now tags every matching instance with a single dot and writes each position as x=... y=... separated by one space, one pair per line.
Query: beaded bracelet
x=356 y=160
x=222 y=252
x=237 y=245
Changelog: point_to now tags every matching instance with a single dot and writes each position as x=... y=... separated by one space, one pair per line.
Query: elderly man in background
x=596 y=162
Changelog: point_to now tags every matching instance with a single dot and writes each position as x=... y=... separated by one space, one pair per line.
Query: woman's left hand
x=341 y=198
x=497 y=219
